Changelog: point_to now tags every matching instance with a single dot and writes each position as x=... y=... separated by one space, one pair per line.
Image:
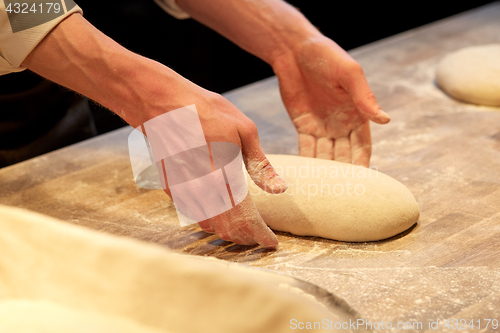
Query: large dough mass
x=472 y=74
x=93 y=282
x=335 y=200
x=41 y=316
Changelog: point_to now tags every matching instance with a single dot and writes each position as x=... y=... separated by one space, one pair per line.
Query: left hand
x=329 y=101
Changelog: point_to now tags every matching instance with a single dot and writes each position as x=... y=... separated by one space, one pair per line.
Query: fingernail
x=270 y=244
x=383 y=117
x=278 y=185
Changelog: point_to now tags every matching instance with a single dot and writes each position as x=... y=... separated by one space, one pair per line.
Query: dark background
x=209 y=60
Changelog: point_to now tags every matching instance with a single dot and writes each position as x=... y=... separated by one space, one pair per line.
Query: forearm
x=268 y=29
x=78 y=56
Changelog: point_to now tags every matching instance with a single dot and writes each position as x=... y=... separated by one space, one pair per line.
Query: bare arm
x=78 y=56
x=323 y=88
x=266 y=28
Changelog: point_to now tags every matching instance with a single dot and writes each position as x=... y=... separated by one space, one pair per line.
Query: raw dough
x=43 y=259
x=472 y=74
x=38 y=316
x=335 y=200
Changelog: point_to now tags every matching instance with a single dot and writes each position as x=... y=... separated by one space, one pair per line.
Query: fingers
x=226 y=229
x=241 y=225
x=363 y=97
x=248 y=219
x=343 y=150
x=205 y=226
x=307 y=145
x=258 y=166
x=361 y=145
x=324 y=149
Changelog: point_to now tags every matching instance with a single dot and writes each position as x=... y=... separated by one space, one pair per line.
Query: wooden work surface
x=445 y=151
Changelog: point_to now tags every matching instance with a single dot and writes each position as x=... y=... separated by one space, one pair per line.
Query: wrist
x=147 y=89
x=292 y=56
x=267 y=29
x=312 y=53
x=290 y=31
x=136 y=86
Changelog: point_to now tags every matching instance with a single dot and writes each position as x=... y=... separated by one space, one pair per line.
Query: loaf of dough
x=335 y=200
x=472 y=74
x=50 y=267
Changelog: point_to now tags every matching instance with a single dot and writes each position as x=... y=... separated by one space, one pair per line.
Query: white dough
x=472 y=74
x=48 y=267
x=39 y=316
x=335 y=200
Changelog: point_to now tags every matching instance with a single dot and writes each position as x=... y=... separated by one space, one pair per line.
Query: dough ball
x=472 y=74
x=335 y=200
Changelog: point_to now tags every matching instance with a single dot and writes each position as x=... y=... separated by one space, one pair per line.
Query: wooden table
x=445 y=151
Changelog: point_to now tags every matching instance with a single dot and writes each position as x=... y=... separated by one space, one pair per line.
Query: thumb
x=364 y=99
x=258 y=166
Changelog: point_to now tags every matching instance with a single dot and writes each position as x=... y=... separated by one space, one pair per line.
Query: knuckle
x=258 y=168
x=224 y=236
x=355 y=67
x=370 y=97
x=248 y=128
x=216 y=98
x=365 y=99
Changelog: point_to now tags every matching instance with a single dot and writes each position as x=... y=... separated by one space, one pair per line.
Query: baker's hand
x=223 y=122
x=329 y=101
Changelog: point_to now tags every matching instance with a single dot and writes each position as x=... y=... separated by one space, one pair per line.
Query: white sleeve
x=20 y=33
x=171 y=7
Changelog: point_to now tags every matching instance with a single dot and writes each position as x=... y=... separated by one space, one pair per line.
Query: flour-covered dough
x=335 y=200
x=472 y=74
x=41 y=316
x=49 y=267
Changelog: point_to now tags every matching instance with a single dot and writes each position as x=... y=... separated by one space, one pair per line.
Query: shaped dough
x=472 y=74
x=335 y=200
